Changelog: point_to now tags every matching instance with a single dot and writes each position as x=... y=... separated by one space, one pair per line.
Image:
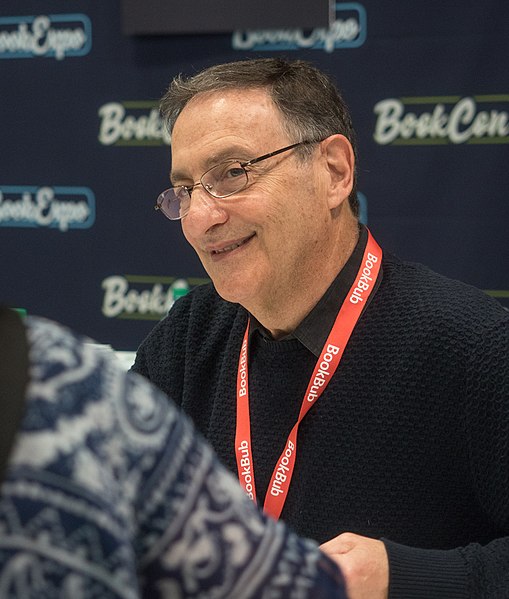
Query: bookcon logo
x=48 y=36
x=61 y=208
x=134 y=123
x=432 y=120
x=143 y=297
x=348 y=30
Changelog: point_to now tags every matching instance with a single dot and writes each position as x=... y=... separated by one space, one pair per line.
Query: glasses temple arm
x=275 y=153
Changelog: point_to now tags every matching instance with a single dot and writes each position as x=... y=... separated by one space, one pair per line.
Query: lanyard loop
x=325 y=367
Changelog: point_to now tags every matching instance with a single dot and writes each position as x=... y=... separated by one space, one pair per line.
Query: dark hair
x=310 y=104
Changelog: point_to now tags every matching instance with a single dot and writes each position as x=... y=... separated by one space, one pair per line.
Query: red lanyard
x=325 y=367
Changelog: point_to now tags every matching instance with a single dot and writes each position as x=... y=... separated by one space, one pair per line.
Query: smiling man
x=360 y=398
x=286 y=225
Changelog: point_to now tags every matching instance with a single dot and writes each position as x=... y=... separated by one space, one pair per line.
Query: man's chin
x=236 y=293
x=229 y=294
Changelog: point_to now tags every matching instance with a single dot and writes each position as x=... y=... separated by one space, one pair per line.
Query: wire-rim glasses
x=221 y=181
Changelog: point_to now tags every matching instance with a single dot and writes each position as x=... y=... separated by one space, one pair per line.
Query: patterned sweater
x=409 y=442
x=111 y=494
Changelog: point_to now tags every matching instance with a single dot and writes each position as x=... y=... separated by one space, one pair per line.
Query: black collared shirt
x=313 y=331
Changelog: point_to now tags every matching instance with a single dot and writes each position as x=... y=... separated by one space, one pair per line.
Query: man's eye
x=233 y=172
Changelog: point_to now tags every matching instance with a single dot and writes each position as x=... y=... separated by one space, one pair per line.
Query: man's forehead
x=224 y=124
x=230 y=109
x=228 y=96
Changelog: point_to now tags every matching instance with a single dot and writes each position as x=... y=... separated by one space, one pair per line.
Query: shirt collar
x=313 y=331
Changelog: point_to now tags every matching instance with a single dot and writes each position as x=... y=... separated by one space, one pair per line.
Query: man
x=109 y=493
x=362 y=399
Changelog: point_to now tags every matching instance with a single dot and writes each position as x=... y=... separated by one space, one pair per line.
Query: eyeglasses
x=221 y=181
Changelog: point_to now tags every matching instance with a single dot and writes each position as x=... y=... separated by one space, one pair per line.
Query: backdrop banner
x=84 y=154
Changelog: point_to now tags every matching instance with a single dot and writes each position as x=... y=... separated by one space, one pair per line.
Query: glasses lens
x=174 y=202
x=225 y=179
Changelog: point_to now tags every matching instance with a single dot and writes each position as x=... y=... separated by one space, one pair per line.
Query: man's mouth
x=232 y=246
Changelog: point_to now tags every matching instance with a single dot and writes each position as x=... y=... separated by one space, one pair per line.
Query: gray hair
x=310 y=104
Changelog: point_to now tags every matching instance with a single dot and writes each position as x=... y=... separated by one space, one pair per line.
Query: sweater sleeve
x=476 y=570
x=487 y=425
x=202 y=535
x=425 y=573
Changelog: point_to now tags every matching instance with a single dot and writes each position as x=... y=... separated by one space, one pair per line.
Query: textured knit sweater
x=409 y=442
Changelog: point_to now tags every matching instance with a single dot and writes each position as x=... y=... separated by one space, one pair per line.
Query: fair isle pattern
x=110 y=494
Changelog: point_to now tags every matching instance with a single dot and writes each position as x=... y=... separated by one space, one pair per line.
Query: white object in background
x=102 y=347
x=126 y=358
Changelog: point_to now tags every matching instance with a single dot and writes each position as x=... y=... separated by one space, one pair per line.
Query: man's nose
x=205 y=211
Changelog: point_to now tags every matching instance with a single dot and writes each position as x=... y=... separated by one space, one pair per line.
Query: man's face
x=261 y=244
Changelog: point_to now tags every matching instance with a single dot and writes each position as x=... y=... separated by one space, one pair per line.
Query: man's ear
x=340 y=160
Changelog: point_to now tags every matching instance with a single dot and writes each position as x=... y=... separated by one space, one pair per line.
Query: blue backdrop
x=84 y=155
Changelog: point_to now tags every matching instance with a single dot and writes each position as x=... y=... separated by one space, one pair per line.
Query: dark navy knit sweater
x=409 y=442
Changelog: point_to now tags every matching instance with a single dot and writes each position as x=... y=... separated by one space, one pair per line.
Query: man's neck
x=282 y=316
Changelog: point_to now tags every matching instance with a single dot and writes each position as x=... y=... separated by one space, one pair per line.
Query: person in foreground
x=110 y=493
x=361 y=398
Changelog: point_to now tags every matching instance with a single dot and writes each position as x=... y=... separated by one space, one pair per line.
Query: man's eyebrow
x=177 y=176
x=231 y=153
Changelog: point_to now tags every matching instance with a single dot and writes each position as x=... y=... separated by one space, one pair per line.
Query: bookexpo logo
x=49 y=36
x=347 y=31
x=61 y=208
x=442 y=120
x=131 y=124
x=143 y=297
